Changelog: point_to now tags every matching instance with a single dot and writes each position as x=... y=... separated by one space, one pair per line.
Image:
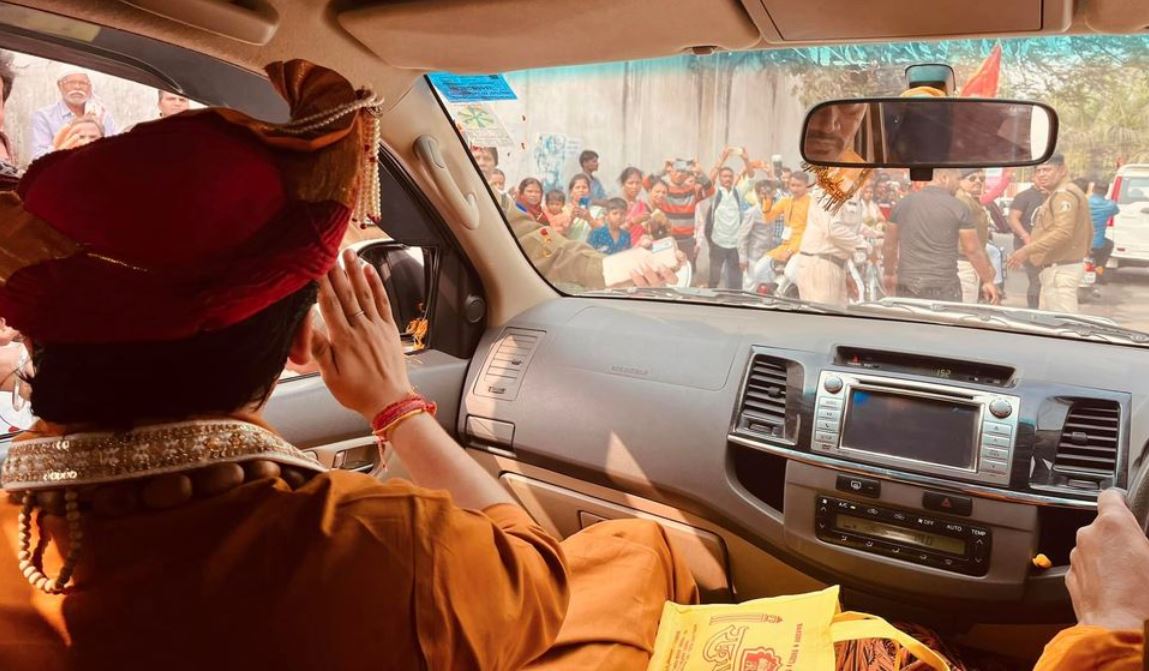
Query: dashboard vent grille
x=1089 y=441
x=503 y=372
x=763 y=409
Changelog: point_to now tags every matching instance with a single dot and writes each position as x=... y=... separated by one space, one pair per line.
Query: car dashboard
x=864 y=452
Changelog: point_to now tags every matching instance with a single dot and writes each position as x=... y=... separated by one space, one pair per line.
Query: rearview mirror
x=928 y=133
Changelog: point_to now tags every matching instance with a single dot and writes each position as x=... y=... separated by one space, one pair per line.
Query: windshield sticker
x=472 y=88
x=481 y=126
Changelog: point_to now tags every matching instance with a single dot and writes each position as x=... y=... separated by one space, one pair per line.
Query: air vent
x=504 y=369
x=1088 y=446
x=763 y=409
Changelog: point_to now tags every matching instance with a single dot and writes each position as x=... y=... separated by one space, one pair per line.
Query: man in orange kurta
x=1109 y=583
x=173 y=529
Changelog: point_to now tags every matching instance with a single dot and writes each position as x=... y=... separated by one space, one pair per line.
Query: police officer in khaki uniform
x=827 y=245
x=1060 y=239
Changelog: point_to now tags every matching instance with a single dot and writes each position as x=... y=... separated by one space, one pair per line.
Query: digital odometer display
x=923 y=539
x=910 y=427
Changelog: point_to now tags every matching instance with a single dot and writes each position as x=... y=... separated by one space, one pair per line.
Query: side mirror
x=928 y=133
x=406 y=272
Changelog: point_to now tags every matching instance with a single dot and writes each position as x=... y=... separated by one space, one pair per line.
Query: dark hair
x=1101 y=188
x=616 y=204
x=583 y=177
x=786 y=169
x=493 y=151
x=496 y=171
x=801 y=176
x=626 y=174
x=555 y=194
x=117 y=385
x=764 y=184
x=1056 y=159
x=587 y=155
x=7 y=74
x=726 y=168
x=527 y=182
x=1082 y=183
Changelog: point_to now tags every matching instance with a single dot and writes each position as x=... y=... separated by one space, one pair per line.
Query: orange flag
x=983 y=83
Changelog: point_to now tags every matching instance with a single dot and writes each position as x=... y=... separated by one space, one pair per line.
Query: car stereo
x=914 y=426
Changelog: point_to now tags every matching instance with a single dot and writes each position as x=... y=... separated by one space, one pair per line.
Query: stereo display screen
x=910 y=427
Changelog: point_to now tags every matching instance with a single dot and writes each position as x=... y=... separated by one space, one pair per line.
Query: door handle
x=466 y=206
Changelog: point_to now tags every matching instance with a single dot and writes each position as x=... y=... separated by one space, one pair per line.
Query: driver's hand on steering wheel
x=1108 y=577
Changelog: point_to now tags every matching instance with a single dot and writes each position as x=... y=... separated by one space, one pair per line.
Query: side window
x=47 y=106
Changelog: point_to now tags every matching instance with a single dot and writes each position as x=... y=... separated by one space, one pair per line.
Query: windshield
x=685 y=172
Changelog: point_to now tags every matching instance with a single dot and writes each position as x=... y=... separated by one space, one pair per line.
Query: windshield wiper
x=719 y=297
x=1010 y=319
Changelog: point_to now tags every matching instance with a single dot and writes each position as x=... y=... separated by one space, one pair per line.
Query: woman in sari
x=530 y=199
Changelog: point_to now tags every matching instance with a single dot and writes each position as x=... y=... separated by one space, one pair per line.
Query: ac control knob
x=1001 y=408
x=833 y=384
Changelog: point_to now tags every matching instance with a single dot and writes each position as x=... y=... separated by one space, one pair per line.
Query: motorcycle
x=864 y=273
x=770 y=277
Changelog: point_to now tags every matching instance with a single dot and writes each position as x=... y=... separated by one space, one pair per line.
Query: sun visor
x=832 y=20
x=501 y=35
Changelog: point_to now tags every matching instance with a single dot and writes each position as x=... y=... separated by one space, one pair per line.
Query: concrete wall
x=642 y=113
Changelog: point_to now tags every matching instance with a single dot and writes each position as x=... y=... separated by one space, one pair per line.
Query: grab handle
x=466 y=206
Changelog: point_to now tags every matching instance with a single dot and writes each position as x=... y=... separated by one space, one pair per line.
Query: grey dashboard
x=650 y=398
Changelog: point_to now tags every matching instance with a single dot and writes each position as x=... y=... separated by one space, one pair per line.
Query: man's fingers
x=341 y=286
x=382 y=303
x=1112 y=502
x=363 y=293
x=330 y=308
x=667 y=276
x=638 y=279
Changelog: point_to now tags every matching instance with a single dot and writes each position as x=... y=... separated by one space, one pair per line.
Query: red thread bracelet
x=393 y=415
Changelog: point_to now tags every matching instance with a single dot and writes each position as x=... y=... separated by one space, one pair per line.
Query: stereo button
x=997 y=428
x=826 y=425
x=1001 y=408
x=830 y=403
x=994 y=453
x=833 y=384
x=993 y=466
x=832 y=415
x=995 y=441
x=825 y=437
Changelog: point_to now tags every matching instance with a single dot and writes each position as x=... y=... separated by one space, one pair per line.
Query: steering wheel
x=1138 y=496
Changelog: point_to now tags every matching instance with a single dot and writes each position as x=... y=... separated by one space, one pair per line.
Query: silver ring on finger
x=350 y=317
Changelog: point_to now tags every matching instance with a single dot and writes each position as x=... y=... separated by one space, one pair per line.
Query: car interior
x=719 y=421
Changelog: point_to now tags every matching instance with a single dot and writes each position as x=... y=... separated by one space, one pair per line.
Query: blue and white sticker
x=472 y=88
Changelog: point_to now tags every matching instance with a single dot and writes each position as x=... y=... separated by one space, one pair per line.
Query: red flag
x=983 y=83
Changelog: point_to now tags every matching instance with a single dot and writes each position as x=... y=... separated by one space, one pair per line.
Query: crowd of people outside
x=741 y=220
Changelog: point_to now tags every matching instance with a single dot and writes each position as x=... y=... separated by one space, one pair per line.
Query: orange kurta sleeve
x=1094 y=648
x=491 y=588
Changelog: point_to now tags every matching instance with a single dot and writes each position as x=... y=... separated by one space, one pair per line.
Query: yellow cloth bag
x=786 y=633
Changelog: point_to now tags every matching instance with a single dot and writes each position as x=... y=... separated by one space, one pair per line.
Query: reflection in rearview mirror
x=929 y=133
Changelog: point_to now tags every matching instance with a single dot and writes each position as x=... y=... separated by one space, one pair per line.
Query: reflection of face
x=974 y=183
x=75 y=89
x=658 y=193
x=172 y=103
x=798 y=186
x=532 y=195
x=484 y=159
x=726 y=178
x=632 y=186
x=832 y=130
x=580 y=190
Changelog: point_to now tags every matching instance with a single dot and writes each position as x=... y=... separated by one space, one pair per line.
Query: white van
x=1129 y=229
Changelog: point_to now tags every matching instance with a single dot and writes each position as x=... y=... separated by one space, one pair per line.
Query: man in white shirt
x=76 y=100
x=723 y=229
x=829 y=241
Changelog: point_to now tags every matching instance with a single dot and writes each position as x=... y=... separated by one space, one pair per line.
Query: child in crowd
x=556 y=215
x=611 y=239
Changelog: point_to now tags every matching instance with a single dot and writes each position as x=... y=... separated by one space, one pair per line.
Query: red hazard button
x=947 y=503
